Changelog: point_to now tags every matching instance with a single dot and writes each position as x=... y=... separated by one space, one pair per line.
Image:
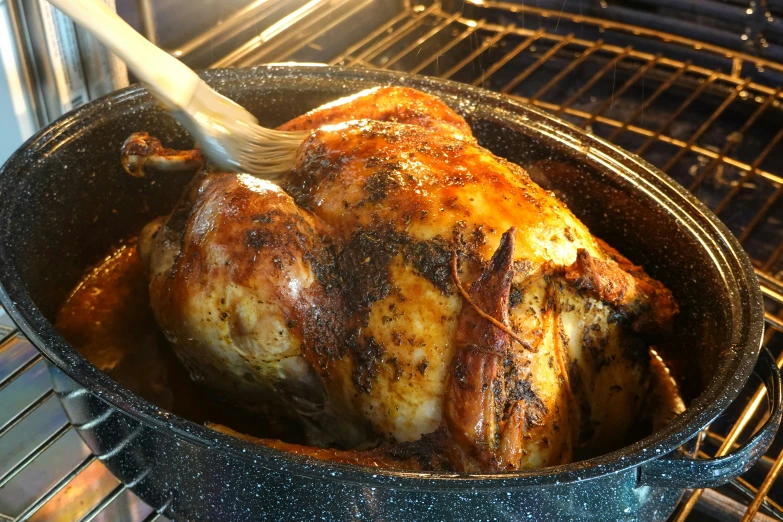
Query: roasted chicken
x=414 y=300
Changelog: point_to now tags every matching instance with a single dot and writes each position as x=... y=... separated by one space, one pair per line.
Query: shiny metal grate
x=707 y=115
x=47 y=472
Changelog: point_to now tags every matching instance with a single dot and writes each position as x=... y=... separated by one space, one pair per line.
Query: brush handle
x=171 y=80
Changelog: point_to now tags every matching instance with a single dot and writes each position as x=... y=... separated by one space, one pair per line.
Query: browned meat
x=334 y=297
x=142 y=151
x=619 y=283
x=492 y=426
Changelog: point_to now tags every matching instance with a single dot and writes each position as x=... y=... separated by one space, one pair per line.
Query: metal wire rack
x=47 y=473
x=753 y=26
x=706 y=114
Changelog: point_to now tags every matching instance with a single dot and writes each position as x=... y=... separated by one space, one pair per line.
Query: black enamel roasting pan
x=66 y=200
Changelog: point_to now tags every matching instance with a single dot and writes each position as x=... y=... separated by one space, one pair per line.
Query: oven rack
x=753 y=26
x=707 y=115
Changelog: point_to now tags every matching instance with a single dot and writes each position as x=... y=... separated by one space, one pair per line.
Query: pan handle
x=707 y=473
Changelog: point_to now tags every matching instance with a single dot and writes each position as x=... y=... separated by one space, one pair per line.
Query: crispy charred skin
x=475 y=393
x=625 y=286
x=142 y=153
x=487 y=420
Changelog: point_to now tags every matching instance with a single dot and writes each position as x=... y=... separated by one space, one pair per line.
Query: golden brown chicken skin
x=404 y=284
x=390 y=104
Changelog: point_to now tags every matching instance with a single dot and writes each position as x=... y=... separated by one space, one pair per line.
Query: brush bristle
x=232 y=138
x=269 y=153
